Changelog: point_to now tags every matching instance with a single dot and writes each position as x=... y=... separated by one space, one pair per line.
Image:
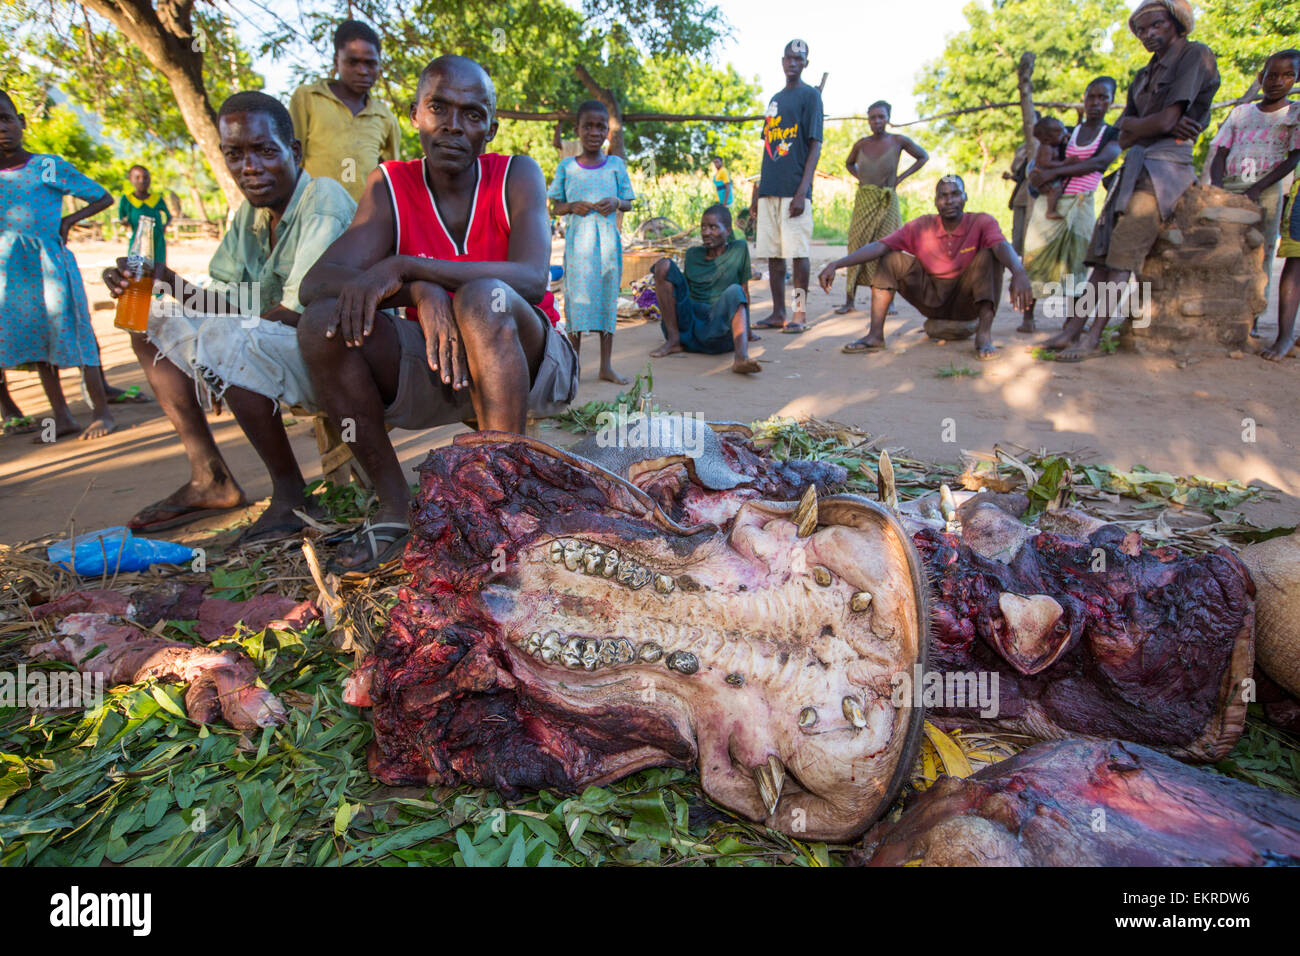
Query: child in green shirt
x=139 y=204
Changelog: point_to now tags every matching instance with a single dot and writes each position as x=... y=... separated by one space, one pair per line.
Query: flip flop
x=1075 y=359
x=276 y=532
x=846 y=309
x=21 y=425
x=795 y=328
x=768 y=324
x=129 y=396
x=173 y=516
x=986 y=355
x=857 y=348
x=393 y=535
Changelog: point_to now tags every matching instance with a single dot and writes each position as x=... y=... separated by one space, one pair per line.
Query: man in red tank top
x=461 y=240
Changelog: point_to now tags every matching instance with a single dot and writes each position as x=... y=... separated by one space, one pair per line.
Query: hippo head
x=560 y=630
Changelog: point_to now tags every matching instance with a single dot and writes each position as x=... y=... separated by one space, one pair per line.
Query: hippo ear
x=637 y=470
x=732 y=428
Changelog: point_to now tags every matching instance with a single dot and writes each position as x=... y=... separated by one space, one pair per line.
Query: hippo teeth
x=596 y=560
x=854 y=713
x=583 y=653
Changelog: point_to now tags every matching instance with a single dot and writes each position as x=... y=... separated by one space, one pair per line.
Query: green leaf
x=342 y=816
x=14 y=777
x=159 y=801
x=13 y=826
x=165 y=700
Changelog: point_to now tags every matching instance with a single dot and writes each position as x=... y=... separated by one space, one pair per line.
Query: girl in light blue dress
x=591 y=189
x=44 y=317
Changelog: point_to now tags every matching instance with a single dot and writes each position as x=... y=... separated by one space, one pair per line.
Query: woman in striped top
x=1055 y=248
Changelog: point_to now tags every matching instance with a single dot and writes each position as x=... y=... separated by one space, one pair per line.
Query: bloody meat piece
x=1089 y=803
x=222 y=683
x=1148 y=645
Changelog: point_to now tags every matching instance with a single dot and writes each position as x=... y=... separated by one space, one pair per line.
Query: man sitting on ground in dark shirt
x=707 y=308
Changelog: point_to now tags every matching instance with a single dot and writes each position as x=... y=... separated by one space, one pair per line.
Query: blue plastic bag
x=96 y=552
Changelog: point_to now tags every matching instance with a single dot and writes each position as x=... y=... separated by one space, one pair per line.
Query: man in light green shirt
x=346 y=132
x=235 y=340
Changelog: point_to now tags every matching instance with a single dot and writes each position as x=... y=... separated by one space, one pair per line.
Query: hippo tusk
x=885 y=482
x=805 y=516
x=770 y=780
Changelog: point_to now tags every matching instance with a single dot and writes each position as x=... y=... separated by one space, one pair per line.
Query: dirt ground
x=1125 y=409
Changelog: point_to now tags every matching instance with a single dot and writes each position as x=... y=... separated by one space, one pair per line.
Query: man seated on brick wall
x=212 y=342
x=461 y=238
x=1168 y=106
x=948 y=266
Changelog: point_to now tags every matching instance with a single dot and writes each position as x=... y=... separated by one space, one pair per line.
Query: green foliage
x=685 y=85
x=1242 y=33
x=652 y=57
x=1155 y=487
x=133 y=100
x=105 y=75
x=955 y=371
x=133 y=781
x=26 y=82
x=1264 y=756
x=62 y=132
x=588 y=418
x=1073 y=44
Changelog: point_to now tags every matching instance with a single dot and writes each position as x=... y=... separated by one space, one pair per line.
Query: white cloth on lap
x=219 y=351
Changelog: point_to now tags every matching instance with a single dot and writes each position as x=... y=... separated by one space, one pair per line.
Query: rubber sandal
x=857 y=348
x=768 y=324
x=989 y=355
x=1076 y=359
x=379 y=560
x=276 y=532
x=23 y=425
x=846 y=309
x=796 y=328
x=173 y=516
x=129 y=396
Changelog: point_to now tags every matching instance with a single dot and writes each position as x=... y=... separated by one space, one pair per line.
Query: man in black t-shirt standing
x=782 y=200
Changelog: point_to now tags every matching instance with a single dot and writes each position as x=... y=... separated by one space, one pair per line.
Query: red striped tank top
x=421 y=231
x=1075 y=153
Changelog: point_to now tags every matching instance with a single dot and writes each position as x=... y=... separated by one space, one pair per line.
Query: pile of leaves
x=134 y=781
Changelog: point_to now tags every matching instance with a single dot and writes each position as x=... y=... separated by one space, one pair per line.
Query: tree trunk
x=985 y=162
x=165 y=36
x=1025 y=74
x=611 y=103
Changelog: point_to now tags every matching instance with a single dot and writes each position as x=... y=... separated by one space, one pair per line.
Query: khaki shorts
x=423 y=401
x=219 y=351
x=779 y=236
x=1136 y=230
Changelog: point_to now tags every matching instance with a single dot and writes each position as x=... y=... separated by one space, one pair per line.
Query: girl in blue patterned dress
x=591 y=189
x=44 y=317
